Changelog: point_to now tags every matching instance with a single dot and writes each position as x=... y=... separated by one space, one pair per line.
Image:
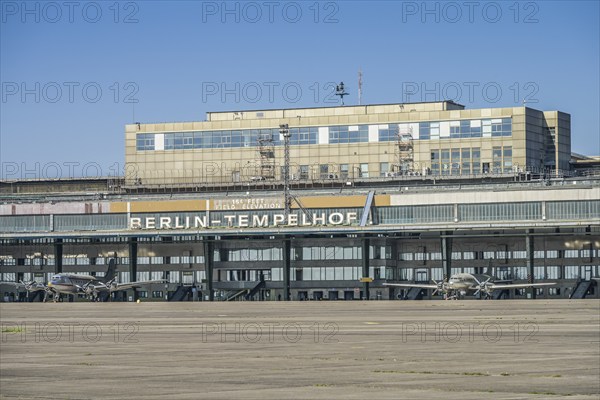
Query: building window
x=405 y=274
x=496 y=160
x=145 y=142
x=388 y=133
x=363 y=171
x=553 y=272
x=344 y=171
x=435 y=162
x=424 y=130
x=572 y=272
x=323 y=171
x=550 y=153
x=507 y=159
x=434 y=130
x=304 y=172
x=384 y=169
x=455 y=154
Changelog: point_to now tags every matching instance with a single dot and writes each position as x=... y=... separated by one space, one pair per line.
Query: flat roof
x=339 y=106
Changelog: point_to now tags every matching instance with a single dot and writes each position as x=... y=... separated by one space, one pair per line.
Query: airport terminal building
x=372 y=194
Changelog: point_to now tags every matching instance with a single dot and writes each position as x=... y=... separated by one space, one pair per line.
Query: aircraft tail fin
x=111 y=271
x=488 y=270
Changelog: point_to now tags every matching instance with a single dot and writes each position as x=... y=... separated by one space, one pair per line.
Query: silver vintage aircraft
x=462 y=284
x=91 y=286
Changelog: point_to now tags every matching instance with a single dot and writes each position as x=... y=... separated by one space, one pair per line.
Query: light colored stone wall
x=222 y=164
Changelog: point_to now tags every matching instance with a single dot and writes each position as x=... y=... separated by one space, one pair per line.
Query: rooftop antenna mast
x=359 y=87
x=340 y=91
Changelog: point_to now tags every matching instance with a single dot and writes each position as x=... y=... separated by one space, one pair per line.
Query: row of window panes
x=103 y=261
x=348 y=134
x=456 y=161
x=499 y=255
x=170 y=260
x=145 y=141
x=328 y=253
x=247 y=275
x=499 y=211
x=322 y=253
x=468 y=128
x=419 y=274
x=570 y=272
x=340 y=253
x=309 y=135
x=426 y=274
x=573 y=209
x=273 y=254
x=416 y=214
x=140 y=260
x=329 y=273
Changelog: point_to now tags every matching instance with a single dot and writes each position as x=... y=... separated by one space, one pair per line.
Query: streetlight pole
x=284 y=129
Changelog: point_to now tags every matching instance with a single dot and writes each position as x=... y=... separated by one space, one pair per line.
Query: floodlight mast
x=284 y=130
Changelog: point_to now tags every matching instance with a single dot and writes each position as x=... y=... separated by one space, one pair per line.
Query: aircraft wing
x=29 y=286
x=423 y=286
x=131 y=285
x=12 y=283
x=519 y=285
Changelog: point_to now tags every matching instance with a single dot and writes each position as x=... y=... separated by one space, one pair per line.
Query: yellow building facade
x=367 y=142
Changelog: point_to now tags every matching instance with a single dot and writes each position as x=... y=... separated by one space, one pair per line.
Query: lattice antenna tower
x=360 y=87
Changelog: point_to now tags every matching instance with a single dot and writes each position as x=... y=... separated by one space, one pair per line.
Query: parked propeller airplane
x=461 y=284
x=91 y=286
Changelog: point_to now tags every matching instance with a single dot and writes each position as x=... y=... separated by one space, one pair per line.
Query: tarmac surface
x=542 y=349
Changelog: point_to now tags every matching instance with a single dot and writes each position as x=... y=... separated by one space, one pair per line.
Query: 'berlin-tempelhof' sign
x=243 y=221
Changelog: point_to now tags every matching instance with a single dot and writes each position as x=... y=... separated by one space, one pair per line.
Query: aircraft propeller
x=33 y=286
x=441 y=287
x=483 y=287
x=89 y=290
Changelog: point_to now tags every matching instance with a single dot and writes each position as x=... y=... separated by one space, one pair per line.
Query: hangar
x=320 y=203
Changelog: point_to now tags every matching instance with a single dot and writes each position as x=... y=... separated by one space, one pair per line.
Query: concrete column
x=58 y=255
x=208 y=267
x=529 y=248
x=133 y=252
x=446 y=246
x=287 y=256
x=366 y=256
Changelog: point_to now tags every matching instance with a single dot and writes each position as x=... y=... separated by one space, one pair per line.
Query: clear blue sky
x=173 y=56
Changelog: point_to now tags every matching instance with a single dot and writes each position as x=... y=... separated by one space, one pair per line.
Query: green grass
x=15 y=329
x=545 y=393
x=384 y=371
